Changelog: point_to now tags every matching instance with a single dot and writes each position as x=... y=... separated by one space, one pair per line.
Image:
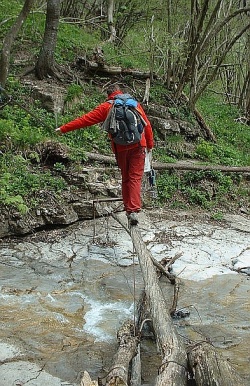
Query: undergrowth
x=205 y=189
x=24 y=123
x=19 y=187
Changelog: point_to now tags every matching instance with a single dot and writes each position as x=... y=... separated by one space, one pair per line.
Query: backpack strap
x=106 y=123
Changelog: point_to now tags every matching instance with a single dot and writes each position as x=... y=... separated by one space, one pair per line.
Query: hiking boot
x=132 y=218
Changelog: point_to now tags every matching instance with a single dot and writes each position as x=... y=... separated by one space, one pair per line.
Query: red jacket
x=99 y=114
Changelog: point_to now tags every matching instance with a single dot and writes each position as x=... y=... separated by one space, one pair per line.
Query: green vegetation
x=205 y=189
x=233 y=138
x=22 y=175
x=19 y=187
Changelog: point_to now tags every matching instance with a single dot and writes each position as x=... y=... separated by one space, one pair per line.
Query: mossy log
x=210 y=368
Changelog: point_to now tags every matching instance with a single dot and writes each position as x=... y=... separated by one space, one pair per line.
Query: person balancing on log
x=131 y=135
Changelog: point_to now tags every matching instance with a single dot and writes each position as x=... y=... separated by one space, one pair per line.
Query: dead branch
x=175 y=299
x=176 y=257
x=163 y=270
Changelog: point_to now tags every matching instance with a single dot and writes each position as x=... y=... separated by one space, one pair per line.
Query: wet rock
x=16 y=371
x=84 y=209
x=165 y=127
x=60 y=214
x=237 y=222
x=65 y=292
x=21 y=373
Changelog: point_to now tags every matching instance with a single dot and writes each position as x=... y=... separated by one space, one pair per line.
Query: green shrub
x=232 y=138
x=73 y=91
x=191 y=187
x=18 y=183
x=204 y=150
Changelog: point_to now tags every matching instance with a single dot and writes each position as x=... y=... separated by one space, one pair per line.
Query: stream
x=65 y=293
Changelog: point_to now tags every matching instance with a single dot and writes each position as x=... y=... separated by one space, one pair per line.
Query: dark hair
x=112 y=87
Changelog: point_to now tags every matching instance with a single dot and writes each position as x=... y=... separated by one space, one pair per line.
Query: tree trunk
x=244 y=99
x=169 y=50
x=173 y=369
x=211 y=369
x=9 y=39
x=112 y=31
x=73 y=8
x=174 y=360
x=146 y=94
x=118 y=374
x=45 y=65
x=222 y=56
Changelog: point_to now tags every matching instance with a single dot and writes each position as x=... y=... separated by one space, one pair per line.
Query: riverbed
x=65 y=293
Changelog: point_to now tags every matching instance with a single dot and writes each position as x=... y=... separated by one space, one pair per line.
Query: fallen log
x=212 y=369
x=118 y=373
x=181 y=165
x=173 y=370
x=210 y=135
x=100 y=158
x=101 y=68
x=195 y=166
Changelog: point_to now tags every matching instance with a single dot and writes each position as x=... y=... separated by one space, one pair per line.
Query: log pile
x=179 y=363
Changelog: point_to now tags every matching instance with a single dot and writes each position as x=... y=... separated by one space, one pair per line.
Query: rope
x=134 y=286
x=167 y=362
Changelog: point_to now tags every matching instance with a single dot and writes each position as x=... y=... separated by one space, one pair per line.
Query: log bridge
x=181 y=364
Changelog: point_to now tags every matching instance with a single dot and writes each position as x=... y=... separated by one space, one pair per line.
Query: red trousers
x=131 y=163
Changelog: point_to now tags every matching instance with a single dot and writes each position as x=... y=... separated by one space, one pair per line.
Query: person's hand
x=58 y=130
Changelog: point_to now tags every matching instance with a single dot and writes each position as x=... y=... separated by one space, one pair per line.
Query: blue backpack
x=124 y=123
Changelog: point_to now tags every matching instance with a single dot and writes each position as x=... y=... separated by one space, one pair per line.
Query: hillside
x=35 y=163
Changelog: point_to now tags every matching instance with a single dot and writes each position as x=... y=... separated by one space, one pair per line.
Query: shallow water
x=64 y=294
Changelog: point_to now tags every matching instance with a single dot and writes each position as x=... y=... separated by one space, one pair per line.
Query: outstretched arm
x=95 y=116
